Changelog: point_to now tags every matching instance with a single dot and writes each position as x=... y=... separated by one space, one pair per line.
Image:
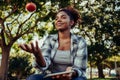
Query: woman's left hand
x=63 y=77
x=67 y=76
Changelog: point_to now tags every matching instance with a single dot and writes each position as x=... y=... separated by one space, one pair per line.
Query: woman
x=61 y=52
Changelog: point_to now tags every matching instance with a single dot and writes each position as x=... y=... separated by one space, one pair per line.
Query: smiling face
x=63 y=22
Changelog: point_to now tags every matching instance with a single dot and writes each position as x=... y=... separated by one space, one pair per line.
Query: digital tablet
x=59 y=73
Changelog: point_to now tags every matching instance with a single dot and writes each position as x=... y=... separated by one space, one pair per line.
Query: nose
x=58 y=20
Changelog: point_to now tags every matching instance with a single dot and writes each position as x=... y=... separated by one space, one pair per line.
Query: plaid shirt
x=78 y=52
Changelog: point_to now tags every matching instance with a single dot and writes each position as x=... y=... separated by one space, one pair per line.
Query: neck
x=64 y=35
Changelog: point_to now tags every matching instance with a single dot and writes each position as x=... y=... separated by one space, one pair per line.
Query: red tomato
x=30 y=6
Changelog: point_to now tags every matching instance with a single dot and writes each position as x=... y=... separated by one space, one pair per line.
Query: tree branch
x=2 y=32
x=7 y=24
x=20 y=26
x=88 y=37
x=9 y=35
x=3 y=37
x=12 y=12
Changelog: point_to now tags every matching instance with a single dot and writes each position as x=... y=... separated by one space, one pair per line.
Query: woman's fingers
x=28 y=48
x=63 y=77
x=56 y=77
x=67 y=76
x=68 y=68
x=22 y=46
x=25 y=47
x=53 y=77
x=37 y=46
x=33 y=47
x=70 y=76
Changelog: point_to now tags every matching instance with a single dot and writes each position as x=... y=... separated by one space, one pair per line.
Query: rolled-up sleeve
x=80 y=60
x=46 y=52
x=47 y=61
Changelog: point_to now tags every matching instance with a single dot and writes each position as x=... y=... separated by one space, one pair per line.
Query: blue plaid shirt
x=78 y=52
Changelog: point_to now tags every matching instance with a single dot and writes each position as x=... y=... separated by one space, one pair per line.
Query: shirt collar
x=74 y=38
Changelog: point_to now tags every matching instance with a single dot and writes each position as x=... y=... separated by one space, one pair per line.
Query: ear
x=71 y=22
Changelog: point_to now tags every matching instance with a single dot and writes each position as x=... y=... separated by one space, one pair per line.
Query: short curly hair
x=72 y=13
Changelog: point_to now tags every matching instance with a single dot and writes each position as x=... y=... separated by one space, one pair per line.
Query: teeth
x=58 y=24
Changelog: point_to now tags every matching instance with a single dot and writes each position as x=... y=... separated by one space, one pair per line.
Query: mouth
x=59 y=24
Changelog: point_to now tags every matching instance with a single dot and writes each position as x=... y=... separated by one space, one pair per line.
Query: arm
x=80 y=59
x=39 y=57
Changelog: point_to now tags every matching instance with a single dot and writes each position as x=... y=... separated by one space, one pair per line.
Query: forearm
x=40 y=60
x=78 y=72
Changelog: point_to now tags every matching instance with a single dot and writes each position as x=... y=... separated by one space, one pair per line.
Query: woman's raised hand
x=32 y=48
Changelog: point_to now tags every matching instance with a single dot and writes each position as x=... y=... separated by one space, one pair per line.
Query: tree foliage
x=100 y=23
x=20 y=66
x=16 y=22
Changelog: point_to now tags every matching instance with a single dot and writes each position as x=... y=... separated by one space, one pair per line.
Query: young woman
x=60 y=52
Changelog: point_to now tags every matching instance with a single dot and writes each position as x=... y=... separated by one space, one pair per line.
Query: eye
x=64 y=17
x=56 y=18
